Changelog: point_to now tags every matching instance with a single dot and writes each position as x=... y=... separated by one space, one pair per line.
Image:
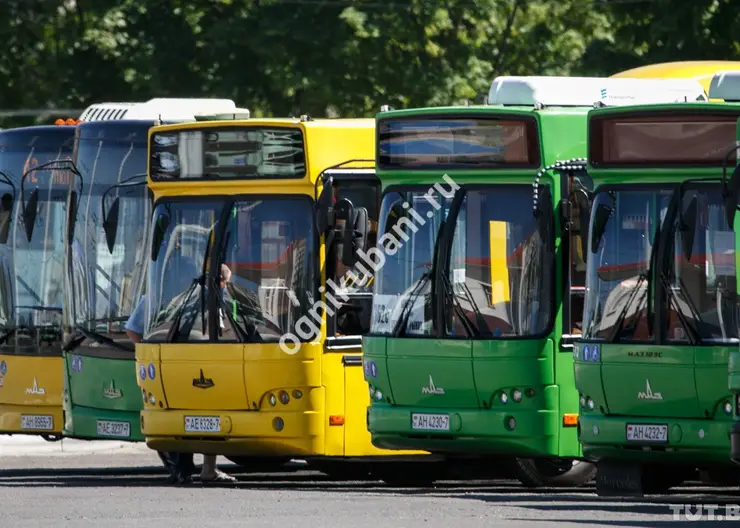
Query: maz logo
x=649 y=394
x=36 y=389
x=431 y=389
x=203 y=382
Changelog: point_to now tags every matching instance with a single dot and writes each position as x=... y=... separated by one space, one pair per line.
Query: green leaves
x=335 y=57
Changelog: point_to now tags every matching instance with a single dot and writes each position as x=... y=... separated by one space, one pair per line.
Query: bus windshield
x=267 y=260
x=501 y=270
x=617 y=279
x=698 y=278
x=32 y=272
x=103 y=282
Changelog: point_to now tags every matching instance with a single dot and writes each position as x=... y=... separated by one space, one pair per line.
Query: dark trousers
x=178 y=463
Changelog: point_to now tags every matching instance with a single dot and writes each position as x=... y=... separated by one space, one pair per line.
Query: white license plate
x=647 y=433
x=37 y=422
x=116 y=429
x=202 y=424
x=430 y=422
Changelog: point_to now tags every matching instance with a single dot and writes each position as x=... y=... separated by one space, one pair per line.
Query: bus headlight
x=378 y=396
x=590 y=404
x=516 y=395
x=504 y=397
x=728 y=407
x=272 y=399
x=284 y=398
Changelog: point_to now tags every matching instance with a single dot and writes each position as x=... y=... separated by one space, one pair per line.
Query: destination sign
x=457 y=142
x=58 y=173
x=661 y=139
x=227 y=153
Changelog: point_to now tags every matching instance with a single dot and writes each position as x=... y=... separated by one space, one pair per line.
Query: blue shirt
x=135 y=321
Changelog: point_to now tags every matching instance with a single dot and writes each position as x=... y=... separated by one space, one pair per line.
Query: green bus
x=479 y=297
x=660 y=311
x=107 y=228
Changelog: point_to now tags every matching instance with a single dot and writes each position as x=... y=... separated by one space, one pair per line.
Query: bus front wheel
x=554 y=472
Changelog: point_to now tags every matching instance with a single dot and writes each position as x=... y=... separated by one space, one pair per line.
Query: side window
x=578 y=232
x=353 y=318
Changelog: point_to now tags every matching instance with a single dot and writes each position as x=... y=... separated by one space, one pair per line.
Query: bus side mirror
x=355 y=235
x=6 y=213
x=158 y=230
x=30 y=211
x=601 y=217
x=687 y=227
x=731 y=195
x=110 y=223
x=324 y=203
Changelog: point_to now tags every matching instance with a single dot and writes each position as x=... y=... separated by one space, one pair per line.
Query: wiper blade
x=691 y=329
x=84 y=333
x=617 y=328
x=408 y=305
x=470 y=329
x=174 y=329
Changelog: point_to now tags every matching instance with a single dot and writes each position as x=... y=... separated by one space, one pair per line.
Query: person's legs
x=184 y=467
x=210 y=472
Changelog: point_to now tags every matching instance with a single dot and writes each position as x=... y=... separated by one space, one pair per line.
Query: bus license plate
x=116 y=429
x=37 y=422
x=647 y=433
x=430 y=422
x=202 y=424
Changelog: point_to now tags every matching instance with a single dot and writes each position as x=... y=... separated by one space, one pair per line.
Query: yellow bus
x=277 y=212
x=701 y=71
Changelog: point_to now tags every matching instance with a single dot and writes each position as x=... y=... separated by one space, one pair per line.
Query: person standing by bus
x=180 y=465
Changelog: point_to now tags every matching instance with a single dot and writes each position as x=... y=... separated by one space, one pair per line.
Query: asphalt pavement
x=125 y=488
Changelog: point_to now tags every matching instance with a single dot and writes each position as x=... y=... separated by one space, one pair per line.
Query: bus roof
x=590 y=91
x=700 y=71
x=726 y=86
x=166 y=109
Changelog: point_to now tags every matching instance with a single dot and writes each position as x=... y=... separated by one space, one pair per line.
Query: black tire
x=414 y=475
x=554 y=472
x=260 y=464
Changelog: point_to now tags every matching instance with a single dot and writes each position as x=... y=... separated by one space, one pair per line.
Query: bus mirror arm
x=325 y=217
x=568 y=340
x=30 y=211
x=730 y=194
x=355 y=235
x=6 y=213
x=110 y=223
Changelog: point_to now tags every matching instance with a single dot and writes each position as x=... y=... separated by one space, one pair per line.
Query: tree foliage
x=335 y=57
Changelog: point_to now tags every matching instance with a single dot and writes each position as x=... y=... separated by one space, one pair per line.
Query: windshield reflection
x=32 y=272
x=266 y=262
x=104 y=283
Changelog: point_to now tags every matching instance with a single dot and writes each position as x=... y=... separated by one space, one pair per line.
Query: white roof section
x=725 y=85
x=591 y=91
x=168 y=109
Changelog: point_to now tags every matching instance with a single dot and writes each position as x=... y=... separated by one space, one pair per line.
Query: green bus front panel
x=101 y=399
x=468 y=390
x=648 y=403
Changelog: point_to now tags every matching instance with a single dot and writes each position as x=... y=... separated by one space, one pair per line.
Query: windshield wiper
x=470 y=329
x=84 y=333
x=617 y=328
x=174 y=329
x=408 y=306
x=691 y=329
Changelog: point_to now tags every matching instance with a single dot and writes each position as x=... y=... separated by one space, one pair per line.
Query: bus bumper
x=694 y=441
x=31 y=419
x=242 y=433
x=82 y=422
x=735 y=443
x=476 y=431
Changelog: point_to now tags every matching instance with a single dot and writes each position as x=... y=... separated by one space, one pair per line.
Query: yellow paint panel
x=32 y=380
x=499 y=269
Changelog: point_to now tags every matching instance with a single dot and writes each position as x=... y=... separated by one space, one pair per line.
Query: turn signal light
x=69 y=121
x=336 y=419
x=570 y=420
